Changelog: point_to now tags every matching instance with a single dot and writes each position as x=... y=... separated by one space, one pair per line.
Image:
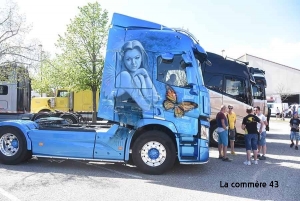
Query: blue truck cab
x=152 y=95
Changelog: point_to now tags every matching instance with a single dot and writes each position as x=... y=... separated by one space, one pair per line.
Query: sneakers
x=247 y=163
x=262 y=157
x=296 y=147
x=255 y=162
x=258 y=156
x=292 y=144
x=233 y=153
x=226 y=159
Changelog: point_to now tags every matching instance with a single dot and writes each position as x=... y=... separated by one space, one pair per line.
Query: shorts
x=277 y=114
x=232 y=134
x=262 y=139
x=251 y=141
x=294 y=135
x=223 y=137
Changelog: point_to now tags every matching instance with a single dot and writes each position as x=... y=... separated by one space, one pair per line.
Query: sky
x=269 y=29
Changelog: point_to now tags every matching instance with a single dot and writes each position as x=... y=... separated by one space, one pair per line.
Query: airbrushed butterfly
x=179 y=108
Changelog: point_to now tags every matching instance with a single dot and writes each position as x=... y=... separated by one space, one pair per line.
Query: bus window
x=214 y=82
x=235 y=87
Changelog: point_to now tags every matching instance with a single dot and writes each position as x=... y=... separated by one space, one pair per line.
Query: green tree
x=82 y=48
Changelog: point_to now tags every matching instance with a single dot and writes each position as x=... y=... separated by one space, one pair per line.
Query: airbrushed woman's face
x=132 y=59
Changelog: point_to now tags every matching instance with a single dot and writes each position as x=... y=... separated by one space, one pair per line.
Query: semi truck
x=229 y=82
x=74 y=103
x=15 y=98
x=259 y=92
x=150 y=122
x=259 y=89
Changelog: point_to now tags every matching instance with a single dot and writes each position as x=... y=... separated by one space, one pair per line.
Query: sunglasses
x=230 y=108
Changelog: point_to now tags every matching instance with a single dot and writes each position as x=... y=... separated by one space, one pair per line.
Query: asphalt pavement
x=276 y=178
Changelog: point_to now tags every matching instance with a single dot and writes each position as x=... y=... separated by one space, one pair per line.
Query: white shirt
x=263 y=119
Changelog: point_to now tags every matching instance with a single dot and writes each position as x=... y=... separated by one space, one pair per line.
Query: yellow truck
x=66 y=101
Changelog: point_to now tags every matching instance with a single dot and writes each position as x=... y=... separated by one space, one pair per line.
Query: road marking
x=114 y=171
x=8 y=195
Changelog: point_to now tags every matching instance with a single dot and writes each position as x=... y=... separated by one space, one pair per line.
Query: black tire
x=213 y=135
x=17 y=140
x=44 y=111
x=70 y=119
x=41 y=115
x=165 y=153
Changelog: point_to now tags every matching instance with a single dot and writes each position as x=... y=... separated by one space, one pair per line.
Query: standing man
x=222 y=131
x=251 y=135
x=277 y=113
x=262 y=146
x=294 y=124
x=231 y=121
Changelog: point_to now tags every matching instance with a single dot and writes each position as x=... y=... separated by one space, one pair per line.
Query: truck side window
x=214 y=82
x=171 y=72
x=62 y=93
x=3 y=89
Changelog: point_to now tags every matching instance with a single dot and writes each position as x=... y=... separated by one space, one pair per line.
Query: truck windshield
x=259 y=88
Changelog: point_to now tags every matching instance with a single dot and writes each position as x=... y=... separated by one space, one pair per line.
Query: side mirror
x=186 y=61
x=207 y=62
x=199 y=53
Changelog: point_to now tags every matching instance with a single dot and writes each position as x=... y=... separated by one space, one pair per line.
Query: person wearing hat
x=249 y=125
x=294 y=124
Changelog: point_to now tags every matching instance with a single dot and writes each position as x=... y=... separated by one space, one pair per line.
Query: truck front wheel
x=213 y=135
x=12 y=146
x=154 y=152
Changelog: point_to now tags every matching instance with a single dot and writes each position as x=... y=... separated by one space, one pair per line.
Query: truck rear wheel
x=154 y=152
x=70 y=119
x=13 y=146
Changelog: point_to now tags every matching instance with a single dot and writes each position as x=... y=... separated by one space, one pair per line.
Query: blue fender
x=128 y=142
x=168 y=124
x=23 y=125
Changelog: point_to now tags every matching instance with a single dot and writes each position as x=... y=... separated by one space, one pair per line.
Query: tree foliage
x=14 y=51
x=283 y=91
x=82 y=48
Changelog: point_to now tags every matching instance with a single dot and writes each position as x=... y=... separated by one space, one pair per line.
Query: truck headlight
x=204 y=132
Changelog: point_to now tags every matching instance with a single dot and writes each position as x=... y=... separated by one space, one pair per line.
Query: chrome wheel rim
x=68 y=120
x=153 y=153
x=215 y=135
x=9 y=144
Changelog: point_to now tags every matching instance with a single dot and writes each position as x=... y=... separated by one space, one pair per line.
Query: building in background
x=281 y=79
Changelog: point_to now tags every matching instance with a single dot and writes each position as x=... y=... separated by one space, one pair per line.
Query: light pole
x=223 y=53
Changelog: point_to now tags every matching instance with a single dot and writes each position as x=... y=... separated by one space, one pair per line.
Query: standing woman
x=222 y=130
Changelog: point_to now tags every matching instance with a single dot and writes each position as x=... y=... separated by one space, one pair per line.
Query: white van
x=282 y=107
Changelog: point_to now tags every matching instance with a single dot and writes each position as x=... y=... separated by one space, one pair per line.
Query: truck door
x=179 y=76
x=62 y=100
